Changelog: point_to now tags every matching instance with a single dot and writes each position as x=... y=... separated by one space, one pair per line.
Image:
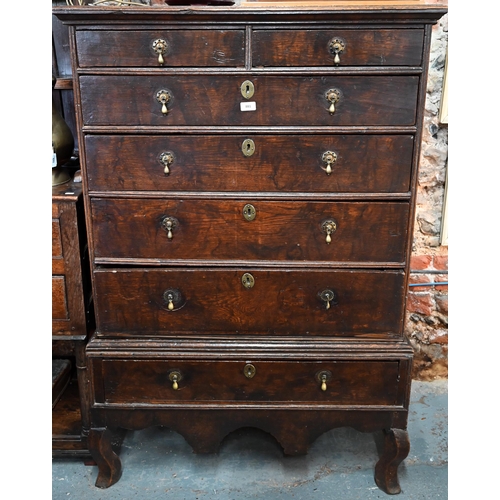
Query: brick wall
x=427 y=305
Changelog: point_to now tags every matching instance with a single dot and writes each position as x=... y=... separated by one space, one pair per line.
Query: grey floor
x=158 y=463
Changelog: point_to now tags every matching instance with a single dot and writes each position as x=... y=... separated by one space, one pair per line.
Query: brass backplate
x=249 y=212
x=247 y=89
x=248 y=147
x=248 y=280
x=249 y=370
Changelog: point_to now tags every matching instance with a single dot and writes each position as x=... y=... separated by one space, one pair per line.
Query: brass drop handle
x=163 y=97
x=327 y=296
x=333 y=97
x=160 y=47
x=173 y=298
x=337 y=47
x=323 y=377
x=329 y=157
x=175 y=377
x=169 y=224
x=166 y=159
x=329 y=227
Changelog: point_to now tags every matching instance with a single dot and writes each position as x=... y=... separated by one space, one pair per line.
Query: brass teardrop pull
x=329 y=157
x=329 y=227
x=249 y=370
x=166 y=159
x=323 y=377
x=173 y=298
x=333 y=97
x=336 y=47
x=328 y=297
x=160 y=47
x=175 y=377
x=169 y=224
x=163 y=97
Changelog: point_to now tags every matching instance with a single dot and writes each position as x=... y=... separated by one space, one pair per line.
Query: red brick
x=439 y=337
x=441 y=278
x=440 y=262
x=419 y=302
x=421 y=278
x=420 y=262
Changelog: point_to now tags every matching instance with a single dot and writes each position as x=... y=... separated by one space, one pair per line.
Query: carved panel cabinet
x=249 y=178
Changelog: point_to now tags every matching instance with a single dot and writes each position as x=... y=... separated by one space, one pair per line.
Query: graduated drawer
x=252 y=162
x=143 y=48
x=150 y=382
x=155 y=301
x=279 y=100
x=354 y=47
x=137 y=228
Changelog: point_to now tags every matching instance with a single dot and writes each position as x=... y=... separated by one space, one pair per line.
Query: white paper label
x=248 y=106
x=54 y=158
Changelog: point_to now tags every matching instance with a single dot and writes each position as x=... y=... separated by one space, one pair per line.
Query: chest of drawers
x=249 y=176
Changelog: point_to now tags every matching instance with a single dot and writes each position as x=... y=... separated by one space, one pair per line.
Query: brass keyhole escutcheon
x=323 y=377
x=166 y=159
x=247 y=89
x=248 y=147
x=163 y=97
x=329 y=227
x=329 y=157
x=248 y=281
x=333 y=97
x=249 y=370
x=336 y=47
x=160 y=47
x=175 y=377
x=249 y=212
x=328 y=297
x=169 y=224
x=173 y=298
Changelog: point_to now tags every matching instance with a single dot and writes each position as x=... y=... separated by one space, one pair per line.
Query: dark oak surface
x=281 y=230
x=206 y=100
x=282 y=325
x=282 y=302
x=366 y=163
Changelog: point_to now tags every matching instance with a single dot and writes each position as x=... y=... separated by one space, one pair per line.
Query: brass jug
x=62 y=145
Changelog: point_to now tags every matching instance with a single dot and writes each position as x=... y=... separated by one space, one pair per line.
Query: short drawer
x=217 y=100
x=151 y=382
x=156 y=302
x=342 y=47
x=197 y=229
x=59 y=302
x=252 y=162
x=160 y=48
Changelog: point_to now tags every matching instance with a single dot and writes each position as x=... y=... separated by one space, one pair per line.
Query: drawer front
x=281 y=230
x=148 y=382
x=355 y=47
x=215 y=100
x=59 y=304
x=281 y=302
x=188 y=48
x=275 y=163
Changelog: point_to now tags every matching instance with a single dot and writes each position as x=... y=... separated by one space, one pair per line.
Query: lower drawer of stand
x=151 y=382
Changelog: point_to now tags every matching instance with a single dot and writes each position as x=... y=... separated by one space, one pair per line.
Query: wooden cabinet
x=250 y=178
x=71 y=321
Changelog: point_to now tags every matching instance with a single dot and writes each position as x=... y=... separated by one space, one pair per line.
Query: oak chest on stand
x=249 y=177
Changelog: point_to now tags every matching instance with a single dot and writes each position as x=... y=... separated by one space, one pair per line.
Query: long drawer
x=156 y=301
x=252 y=162
x=353 y=47
x=151 y=382
x=160 y=48
x=201 y=100
x=249 y=230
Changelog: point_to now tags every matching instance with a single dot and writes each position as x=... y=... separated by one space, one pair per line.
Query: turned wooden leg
x=396 y=449
x=110 y=466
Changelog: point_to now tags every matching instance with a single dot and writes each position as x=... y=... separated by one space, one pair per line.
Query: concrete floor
x=158 y=463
